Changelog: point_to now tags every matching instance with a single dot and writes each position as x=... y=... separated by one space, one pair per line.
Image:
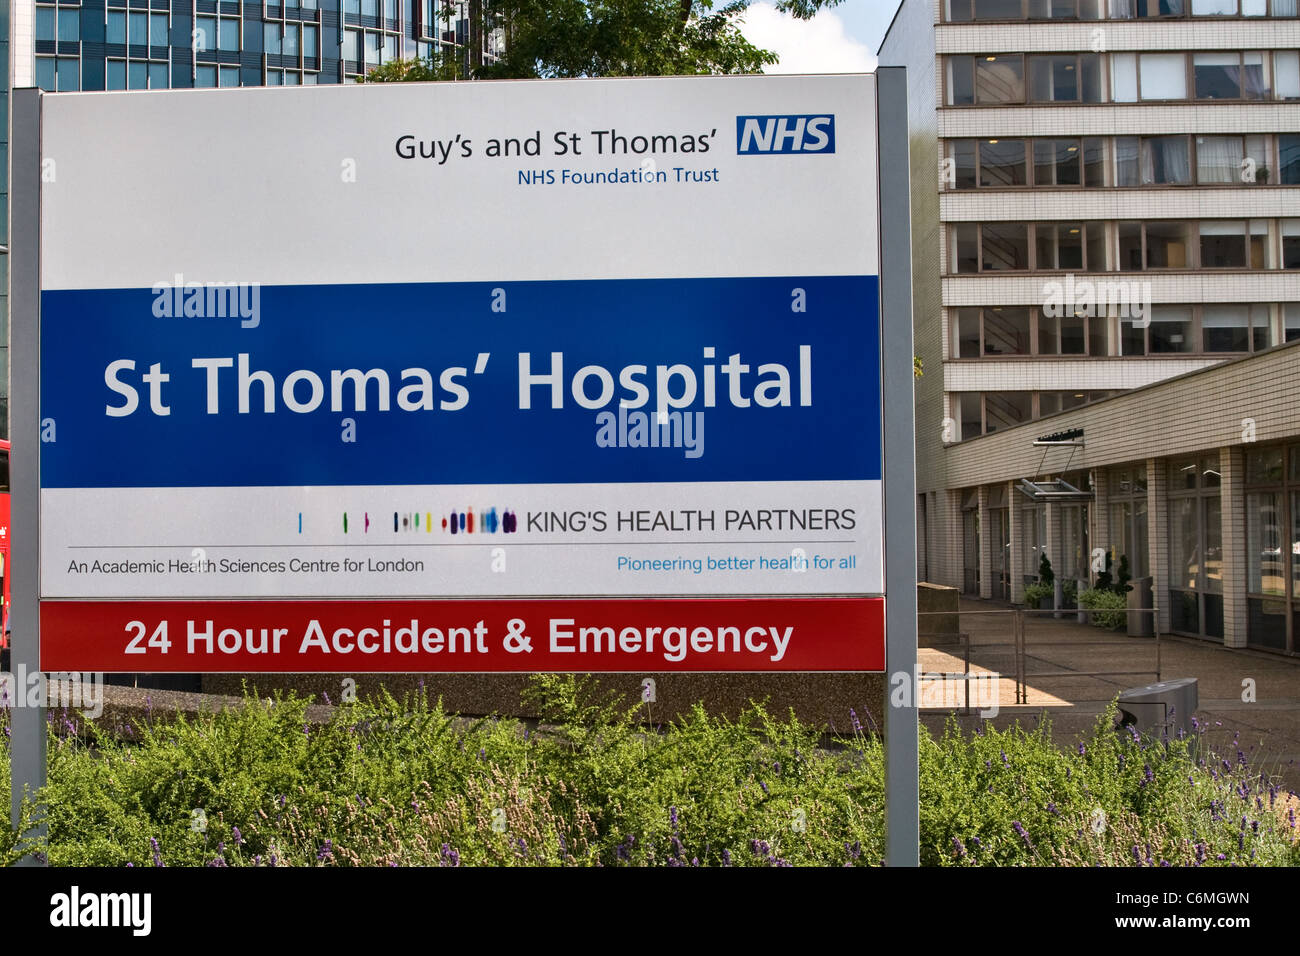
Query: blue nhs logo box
x=756 y=135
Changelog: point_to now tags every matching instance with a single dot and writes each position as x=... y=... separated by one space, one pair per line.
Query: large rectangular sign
x=355 y=355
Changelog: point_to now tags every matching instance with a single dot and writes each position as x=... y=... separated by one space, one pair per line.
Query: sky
x=843 y=39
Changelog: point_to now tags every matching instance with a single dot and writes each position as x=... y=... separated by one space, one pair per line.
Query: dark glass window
x=1002 y=162
x=1288 y=147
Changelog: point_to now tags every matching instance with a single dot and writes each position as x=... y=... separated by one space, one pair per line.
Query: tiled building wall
x=1113 y=35
x=1232 y=469
x=911 y=43
x=1172 y=417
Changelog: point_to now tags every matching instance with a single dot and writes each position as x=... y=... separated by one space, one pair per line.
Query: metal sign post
x=902 y=814
x=27 y=745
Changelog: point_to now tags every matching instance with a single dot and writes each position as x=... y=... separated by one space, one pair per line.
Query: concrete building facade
x=1106 y=210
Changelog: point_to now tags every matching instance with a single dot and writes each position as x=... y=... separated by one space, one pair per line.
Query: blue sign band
x=769 y=378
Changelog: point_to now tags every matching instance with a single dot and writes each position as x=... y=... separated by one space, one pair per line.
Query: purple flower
x=764 y=786
x=157 y=854
x=624 y=850
x=672 y=817
x=726 y=858
x=853 y=719
x=328 y=702
x=1082 y=749
x=239 y=837
x=1051 y=808
x=326 y=852
x=1020 y=831
x=1137 y=855
x=961 y=850
x=853 y=849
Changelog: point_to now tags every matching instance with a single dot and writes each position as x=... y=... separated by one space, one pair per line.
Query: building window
x=1288 y=153
x=1273 y=547
x=1209 y=244
x=1291 y=243
x=1234 y=328
x=1128 y=519
x=61 y=23
x=1002 y=162
x=136 y=75
x=1286 y=73
x=1001 y=331
x=1129 y=9
x=1018 y=246
x=1291 y=322
x=1065 y=78
x=58 y=74
x=1003 y=410
x=1195 y=547
x=1224 y=159
x=1004 y=247
x=1010 y=163
x=979 y=80
x=214 y=34
x=1153 y=161
x=1230 y=76
x=1210 y=328
x=970 y=414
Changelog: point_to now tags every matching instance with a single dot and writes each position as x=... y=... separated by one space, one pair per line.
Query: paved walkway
x=1268 y=728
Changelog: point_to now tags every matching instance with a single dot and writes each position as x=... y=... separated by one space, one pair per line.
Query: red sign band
x=470 y=636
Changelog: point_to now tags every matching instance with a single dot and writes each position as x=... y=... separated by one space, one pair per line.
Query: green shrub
x=1037 y=592
x=386 y=782
x=1109 y=609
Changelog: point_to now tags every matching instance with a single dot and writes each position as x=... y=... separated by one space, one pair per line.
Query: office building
x=1106 y=242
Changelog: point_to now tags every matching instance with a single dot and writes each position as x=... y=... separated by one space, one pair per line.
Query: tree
x=574 y=38
x=1045 y=573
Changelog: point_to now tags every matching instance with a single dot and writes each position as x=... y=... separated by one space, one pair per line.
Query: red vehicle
x=4 y=542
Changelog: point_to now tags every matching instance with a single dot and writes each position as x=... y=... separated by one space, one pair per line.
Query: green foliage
x=1045 y=573
x=1108 y=608
x=1011 y=798
x=573 y=38
x=386 y=782
x=569 y=38
x=1038 y=592
x=405 y=71
x=1069 y=591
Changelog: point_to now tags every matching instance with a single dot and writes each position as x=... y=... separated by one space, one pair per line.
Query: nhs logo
x=784 y=134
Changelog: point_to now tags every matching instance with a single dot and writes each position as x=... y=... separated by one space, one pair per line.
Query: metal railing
x=977 y=651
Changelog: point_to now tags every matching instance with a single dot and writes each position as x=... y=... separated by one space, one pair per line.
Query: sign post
x=584 y=376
